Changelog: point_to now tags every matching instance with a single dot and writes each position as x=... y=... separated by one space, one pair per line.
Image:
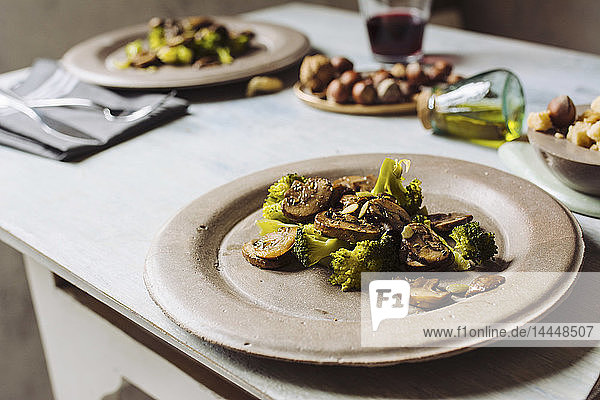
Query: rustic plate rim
x=381 y=357
x=95 y=71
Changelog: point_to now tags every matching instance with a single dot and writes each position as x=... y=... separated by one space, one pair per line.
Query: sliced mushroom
x=356 y=182
x=144 y=59
x=425 y=250
x=347 y=227
x=424 y=293
x=275 y=244
x=349 y=199
x=305 y=199
x=272 y=250
x=265 y=263
x=195 y=23
x=443 y=223
x=175 y=40
x=387 y=212
x=206 y=61
x=155 y=22
x=484 y=283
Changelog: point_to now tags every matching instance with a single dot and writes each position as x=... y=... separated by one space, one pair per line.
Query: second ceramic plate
x=94 y=60
x=195 y=271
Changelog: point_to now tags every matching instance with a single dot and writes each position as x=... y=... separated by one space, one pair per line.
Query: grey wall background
x=47 y=28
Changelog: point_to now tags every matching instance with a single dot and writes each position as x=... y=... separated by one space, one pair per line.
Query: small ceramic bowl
x=575 y=166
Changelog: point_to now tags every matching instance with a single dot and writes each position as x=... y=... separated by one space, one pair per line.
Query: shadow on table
x=236 y=90
x=479 y=372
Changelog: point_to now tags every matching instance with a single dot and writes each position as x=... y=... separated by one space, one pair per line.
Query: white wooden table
x=91 y=223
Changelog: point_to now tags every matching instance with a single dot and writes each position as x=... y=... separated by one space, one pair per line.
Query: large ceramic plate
x=196 y=274
x=94 y=60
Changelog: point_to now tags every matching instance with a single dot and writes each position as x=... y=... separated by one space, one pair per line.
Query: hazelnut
x=562 y=111
x=398 y=71
x=388 y=91
x=349 y=78
x=415 y=74
x=439 y=71
x=316 y=72
x=454 y=78
x=380 y=76
x=407 y=89
x=364 y=93
x=444 y=66
x=337 y=91
x=314 y=85
x=341 y=64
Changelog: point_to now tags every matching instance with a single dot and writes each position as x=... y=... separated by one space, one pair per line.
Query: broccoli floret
x=167 y=54
x=272 y=204
x=274 y=211
x=414 y=197
x=134 y=48
x=209 y=40
x=311 y=246
x=473 y=243
x=278 y=189
x=367 y=256
x=390 y=181
x=224 y=55
x=239 y=44
x=185 y=55
x=421 y=219
x=271 y=225
x=156 y=38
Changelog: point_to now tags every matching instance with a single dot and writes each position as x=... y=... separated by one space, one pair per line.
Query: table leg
x=89 y=358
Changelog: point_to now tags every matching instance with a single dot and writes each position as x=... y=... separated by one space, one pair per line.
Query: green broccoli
x=185 y=55
x=421 y=219
x=367 y=256
x=390 y=181
x=414 y=197
x=271 y=225
x=134 y=48
x=274 y=211
x=278 y=189
x=209 y=40
x=311 y=246
x=272 y=204
x=239 y=44
x=224 y=55
x=473 y=243
x=156 y=38
x=167 y=55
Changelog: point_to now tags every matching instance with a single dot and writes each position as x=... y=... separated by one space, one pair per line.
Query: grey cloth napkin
x=48 y=80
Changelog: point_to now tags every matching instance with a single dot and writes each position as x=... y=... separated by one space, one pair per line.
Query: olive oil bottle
x=487 y=107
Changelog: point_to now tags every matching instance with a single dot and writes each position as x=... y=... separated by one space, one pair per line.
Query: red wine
x=396 y=33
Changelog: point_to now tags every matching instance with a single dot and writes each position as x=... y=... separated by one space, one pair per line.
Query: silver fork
x=110 y=114
x=16 y=103
x=27 y=107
